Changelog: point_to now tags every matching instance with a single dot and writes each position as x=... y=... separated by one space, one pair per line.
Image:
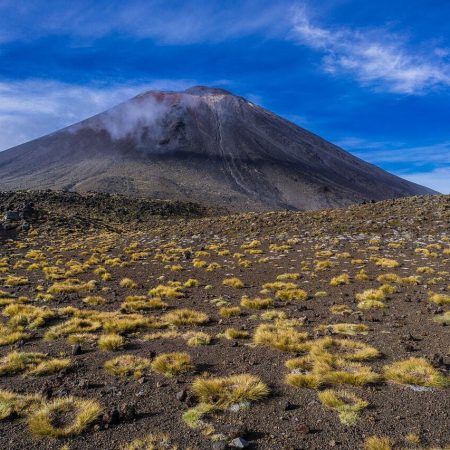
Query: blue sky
x=372 y=77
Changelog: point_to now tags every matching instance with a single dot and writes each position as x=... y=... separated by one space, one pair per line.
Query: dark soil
x=290 y=418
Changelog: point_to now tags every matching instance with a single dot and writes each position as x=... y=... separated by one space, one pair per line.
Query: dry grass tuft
x=185 y=317
x=225 y=391
x=170 y=364
x=154 y=441
x=127 y=365
x=111 y=342
x=416 y=371
x=378 y=443
x=347 y=404
x=46 y=421
x=233 y=282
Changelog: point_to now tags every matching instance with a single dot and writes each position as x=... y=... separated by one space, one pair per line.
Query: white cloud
x=186 y=22
x=438 y=179
x=30 y=109
x=375 y=57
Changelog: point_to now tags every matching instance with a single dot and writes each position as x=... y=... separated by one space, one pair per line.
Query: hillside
x=202 y=145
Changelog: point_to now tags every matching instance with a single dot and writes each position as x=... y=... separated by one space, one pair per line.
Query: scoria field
x=129 y=324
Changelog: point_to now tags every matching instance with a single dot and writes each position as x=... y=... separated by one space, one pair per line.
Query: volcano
x=204 y=145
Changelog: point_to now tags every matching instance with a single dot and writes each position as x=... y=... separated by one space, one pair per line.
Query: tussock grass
x=282 y=338
x=225 y=391
x=233 y=282
x=75 y=325
x=128 y=283
x=45 y=420
x=378 y=443
x=291 y=295
x=128 y=365
x=12 y=280
x=341 y=310
x=111 y=342
x=346 y=349
x=256 y=303
x=340 y=280
x=386 y=262
x=162 y=291
x=443 y=319
x=12 y=404
x=154 y=441
x=185 y=317
x=416 y=371
x=94 y=300
x=71 y=285
x=347 y=404
x=27 y=316
x=196 y=339
x=170 y=364
x=439 y=299
x=229 y=311
x=31 y=364
x=350 y=329
x=233 y=333
x=142 y=303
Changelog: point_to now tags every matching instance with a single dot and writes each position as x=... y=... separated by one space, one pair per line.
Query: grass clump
x=347 y=404
x=386 y=262
x=142 y=303
x=341 y=310
x=378 y=443
x=46 y=421
x=128 y=283
x=196 y=339
x=346 y=349
x=256 y=303
x=170 y=364
x=185 y=317
x=233 y=282
x=31 y=364
x=225 y=391
x=94 y=300
x=111 y=342
x=282 y=338
x=75 y=325
x=291 y=294
x=233 y=333
x=166 y=291
x=27 y=316
x=127 y=365
x=12 y=281
x=340 y=280
x=444 y=318
x=229 y=311
x=154 y=441
x=416 y=371
x=71 y=285
x=12 y=404
x=439 y=299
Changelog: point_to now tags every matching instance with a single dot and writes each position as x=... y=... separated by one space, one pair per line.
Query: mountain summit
x=202 y=144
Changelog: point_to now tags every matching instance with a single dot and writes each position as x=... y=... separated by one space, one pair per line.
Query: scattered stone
x=76 y=350
x=239 y=443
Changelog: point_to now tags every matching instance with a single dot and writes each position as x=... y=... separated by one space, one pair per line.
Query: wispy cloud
x=428 y=165
x=438 y=179
x=375 y=57
x=29 y=109
x=170 y=22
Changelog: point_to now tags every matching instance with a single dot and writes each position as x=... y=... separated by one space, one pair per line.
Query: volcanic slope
x=203 y=145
